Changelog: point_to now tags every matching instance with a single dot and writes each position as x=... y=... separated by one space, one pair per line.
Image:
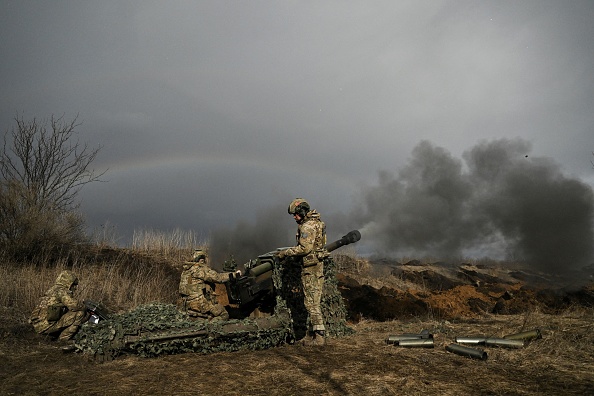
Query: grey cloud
x=320 y=95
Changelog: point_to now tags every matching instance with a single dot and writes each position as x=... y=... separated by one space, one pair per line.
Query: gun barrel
x=349 y=238
x=260 y=269
x=213 y=331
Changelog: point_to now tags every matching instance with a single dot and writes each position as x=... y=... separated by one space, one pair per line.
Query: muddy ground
x=482 y=302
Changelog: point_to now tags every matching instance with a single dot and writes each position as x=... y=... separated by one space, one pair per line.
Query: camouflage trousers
x=312 y=279
x=199 y=306
x=66 y=326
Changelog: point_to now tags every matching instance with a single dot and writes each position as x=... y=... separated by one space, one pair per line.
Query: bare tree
x=41 y=173
x=50 y=164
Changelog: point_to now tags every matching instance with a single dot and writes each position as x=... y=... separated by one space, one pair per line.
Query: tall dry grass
x=120 y=284
x=176 y=244
x=119 y=278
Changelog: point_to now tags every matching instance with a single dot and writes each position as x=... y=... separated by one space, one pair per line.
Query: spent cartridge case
x=525 y=335
x=418 y=343
x=471 y=340
x=396 y=338
x=466 y=351
x=504 y=343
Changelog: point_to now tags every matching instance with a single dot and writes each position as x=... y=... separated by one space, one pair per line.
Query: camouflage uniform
x=58 y=312
x=311 y=239
x=197 y=291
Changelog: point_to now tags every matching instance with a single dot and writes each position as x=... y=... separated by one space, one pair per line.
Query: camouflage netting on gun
x=156 y=329
x=333 y=307
x=287 y=280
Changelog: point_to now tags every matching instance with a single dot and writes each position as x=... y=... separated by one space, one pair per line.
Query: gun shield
x=466 y=351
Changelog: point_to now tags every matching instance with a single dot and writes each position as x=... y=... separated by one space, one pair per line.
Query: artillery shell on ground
x=471 y=340
x=525 y=335
x=418 y=343
x=504 y=343
x=466 y=351
x=491 y=341
x=395 y=339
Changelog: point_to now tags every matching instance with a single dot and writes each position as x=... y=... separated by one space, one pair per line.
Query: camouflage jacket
x=56 y=301
x=198 y=279
x=311 y=239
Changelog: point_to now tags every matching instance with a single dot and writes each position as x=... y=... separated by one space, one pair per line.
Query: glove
x=281 y=254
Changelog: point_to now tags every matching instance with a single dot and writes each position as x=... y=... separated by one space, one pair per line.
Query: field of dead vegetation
x=447 y=300
x=561 y=363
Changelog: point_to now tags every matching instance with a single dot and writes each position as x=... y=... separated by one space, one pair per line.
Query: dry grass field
x=560 y=363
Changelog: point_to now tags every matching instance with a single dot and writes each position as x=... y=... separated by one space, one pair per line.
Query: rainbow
x=127 y=166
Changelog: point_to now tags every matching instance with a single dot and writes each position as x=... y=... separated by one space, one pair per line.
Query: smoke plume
x=502 y=203
x=249 y=240
x=496 y=202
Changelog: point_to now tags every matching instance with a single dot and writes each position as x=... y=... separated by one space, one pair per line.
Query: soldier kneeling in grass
x=59 y=314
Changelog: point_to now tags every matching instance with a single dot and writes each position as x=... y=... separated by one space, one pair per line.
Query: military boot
x=68 y=333
x=317 y=338
x=308 y=339
x=69 y=348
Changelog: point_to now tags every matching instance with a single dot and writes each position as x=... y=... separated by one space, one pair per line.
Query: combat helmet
x=198 y=255
x=299 y=206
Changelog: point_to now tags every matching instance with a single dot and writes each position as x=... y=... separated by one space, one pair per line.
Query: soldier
x=197 y=289
x=59 y=314
x=311 y=239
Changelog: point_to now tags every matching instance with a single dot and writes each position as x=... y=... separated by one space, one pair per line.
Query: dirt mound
x=456 y=291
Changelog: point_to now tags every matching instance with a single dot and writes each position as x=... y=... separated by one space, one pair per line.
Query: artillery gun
x=254 y=291
x=268 y=285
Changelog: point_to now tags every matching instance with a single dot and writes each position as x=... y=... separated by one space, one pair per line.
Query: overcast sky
x=212 y=113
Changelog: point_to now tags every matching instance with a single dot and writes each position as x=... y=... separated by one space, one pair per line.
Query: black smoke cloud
x=248 y=240
x=503 y=202
x=497 y=201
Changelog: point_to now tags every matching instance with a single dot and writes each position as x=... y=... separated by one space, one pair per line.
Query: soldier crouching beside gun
x=59 y=314
x=310 y=252
x=197 y=289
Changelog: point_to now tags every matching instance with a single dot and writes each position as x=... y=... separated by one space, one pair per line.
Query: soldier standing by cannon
x=197 y=289
x=310 y=252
